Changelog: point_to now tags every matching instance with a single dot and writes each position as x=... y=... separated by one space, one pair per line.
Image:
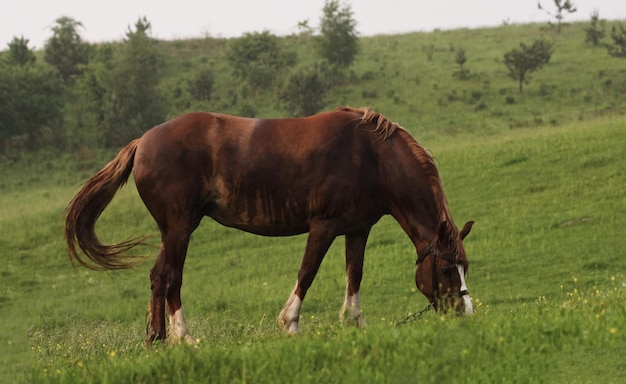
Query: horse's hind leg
x=355 y=252
x=178 y=330
x=155 y=324
x=166 y=280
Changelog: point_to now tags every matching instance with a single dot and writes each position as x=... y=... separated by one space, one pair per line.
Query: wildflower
x=79 y=364
x=112 y=354
x=613 y=331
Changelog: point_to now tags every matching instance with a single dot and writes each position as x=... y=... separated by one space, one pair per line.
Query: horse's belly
x=264 y=225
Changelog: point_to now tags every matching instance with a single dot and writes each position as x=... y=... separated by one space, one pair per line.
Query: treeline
x=74 y=95
x=84 y=95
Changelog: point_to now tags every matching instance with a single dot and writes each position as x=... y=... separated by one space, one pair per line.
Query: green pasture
x=541 y=173
x=546 y=277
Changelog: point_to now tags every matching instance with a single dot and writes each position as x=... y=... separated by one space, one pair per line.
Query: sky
x=108 y=20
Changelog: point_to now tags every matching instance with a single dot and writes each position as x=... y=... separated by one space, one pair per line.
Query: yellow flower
x=613 y=331
x=79 y=364
x=112 y=354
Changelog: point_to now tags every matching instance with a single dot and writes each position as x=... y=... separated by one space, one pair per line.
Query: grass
x=545 y=278
x=542 y=177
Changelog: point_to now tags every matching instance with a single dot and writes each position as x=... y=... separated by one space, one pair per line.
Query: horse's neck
x=417 y=191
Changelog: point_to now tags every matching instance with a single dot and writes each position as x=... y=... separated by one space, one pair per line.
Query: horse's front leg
x=319 y=240
x=355 y=253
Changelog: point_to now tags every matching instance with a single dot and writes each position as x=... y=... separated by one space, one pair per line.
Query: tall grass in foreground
x=564 y=339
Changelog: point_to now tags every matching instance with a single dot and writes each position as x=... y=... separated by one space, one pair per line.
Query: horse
x=330 y=174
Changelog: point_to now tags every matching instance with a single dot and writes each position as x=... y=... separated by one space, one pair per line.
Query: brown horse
x=331 y=174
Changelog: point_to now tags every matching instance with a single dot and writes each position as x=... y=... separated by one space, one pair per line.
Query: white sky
x=108 y=20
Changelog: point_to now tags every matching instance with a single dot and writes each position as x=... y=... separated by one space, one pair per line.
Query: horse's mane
x=382 y=125
x=386 y=129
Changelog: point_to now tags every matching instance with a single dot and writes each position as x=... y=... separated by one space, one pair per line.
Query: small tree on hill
x=19 y=52
x=595 y=32
x=304 y=91
x=65 y=50
x=619 y=40
x=526 y=59
x=201 y=85
x=561 y=7
x=461 y=59
x=136 y=102
x=257 y=58
x=338 y=42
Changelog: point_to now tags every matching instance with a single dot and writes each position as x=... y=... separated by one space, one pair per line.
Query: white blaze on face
x=466 y=297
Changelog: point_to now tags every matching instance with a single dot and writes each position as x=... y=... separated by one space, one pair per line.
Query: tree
x=135 y=103
x=86 y=117
x=19 y=52
x=594 y=33
x=31 y=104
x=338 y=42
x=527 y=59
x=619 y=39
x=65 y=50
x=257 y=58
x=561 y=7
x=201 y=85
x=460 y=59
x=303 y=93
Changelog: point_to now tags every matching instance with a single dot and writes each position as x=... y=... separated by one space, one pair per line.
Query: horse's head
x=441 y=269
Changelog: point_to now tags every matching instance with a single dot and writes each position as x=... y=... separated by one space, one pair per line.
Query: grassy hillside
x=410 y=78
x=542 y=176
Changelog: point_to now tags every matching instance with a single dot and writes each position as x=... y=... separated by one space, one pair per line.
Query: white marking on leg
x=466 y=298
x=289 y=316
x=178 y=328
x=352 y=307
x=347 y=304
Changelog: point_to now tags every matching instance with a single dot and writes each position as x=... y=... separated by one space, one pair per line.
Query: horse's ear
x=466 y=229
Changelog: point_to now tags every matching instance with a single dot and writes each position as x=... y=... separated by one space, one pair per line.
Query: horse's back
x=267 y=176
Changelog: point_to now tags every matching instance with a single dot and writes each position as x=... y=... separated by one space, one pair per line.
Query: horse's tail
x=85 y=209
